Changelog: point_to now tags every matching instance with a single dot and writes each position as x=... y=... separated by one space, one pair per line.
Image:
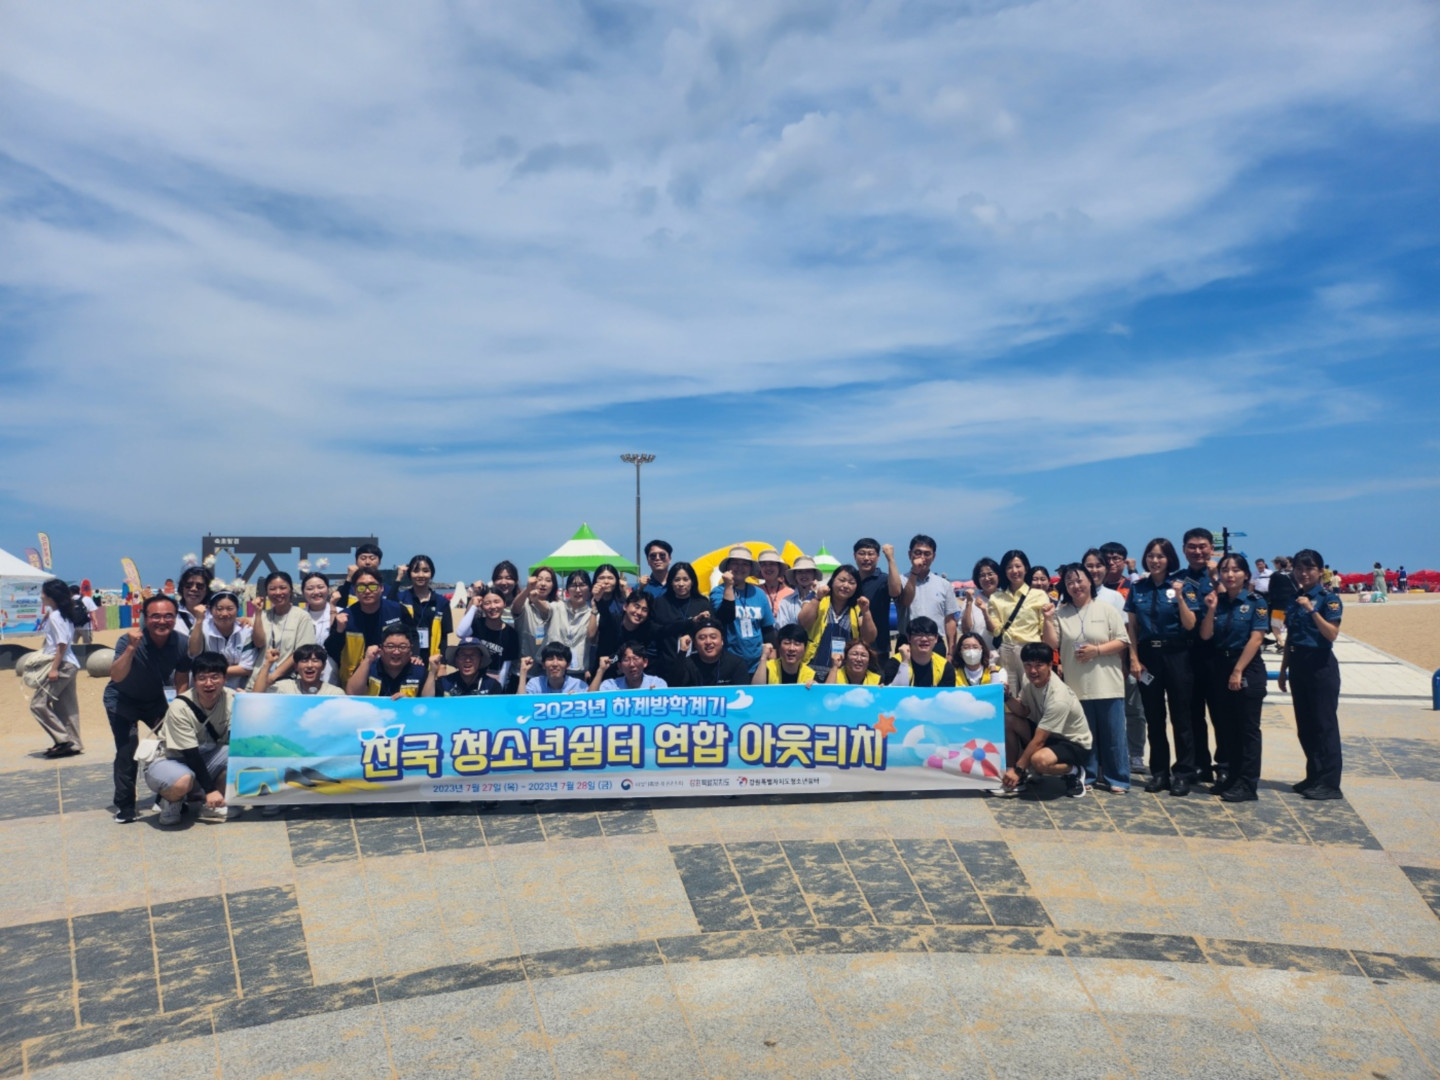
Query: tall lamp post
x=637 y=460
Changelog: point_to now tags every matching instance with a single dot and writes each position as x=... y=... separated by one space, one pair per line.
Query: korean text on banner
x=287 y=748
x=45 y=550
x=33 y=558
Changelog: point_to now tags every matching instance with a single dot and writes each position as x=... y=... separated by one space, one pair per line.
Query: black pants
x=1172 y=681
x=1236 y=715
x=127 y=738
x=1315 y=691
x=1202 y=694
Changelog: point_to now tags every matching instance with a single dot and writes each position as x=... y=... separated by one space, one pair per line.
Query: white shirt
x=60 y=632
x=236 y=649
x=647 y=682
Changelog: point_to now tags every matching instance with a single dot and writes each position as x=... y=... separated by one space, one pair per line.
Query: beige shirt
x=285 y=634
x=290 y=686
x=1056 y=709
x=1029 y=624
x=185 y=731
x=1096 y=623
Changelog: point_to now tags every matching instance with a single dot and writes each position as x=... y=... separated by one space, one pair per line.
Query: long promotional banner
x=719 y=740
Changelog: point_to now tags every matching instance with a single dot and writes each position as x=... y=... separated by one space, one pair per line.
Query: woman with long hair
x=676 y=614
x=1162 y=612
x=532 y=608
x=575 y=624
x=505 y=580
x=1093 y=643
x=433 y=621
x=194 y=589
x=975 y=611
x=55 y=704
x=315 y=592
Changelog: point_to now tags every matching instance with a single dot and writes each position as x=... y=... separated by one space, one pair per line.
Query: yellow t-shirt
x=1029 y=623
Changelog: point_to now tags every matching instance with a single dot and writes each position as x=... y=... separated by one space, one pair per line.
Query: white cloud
x=948 y=706
x=344 y=716
x=858 y=698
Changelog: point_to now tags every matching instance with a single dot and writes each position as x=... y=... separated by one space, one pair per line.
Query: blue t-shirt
x=744 y=632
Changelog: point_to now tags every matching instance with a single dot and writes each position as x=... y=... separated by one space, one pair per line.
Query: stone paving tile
x=490 y=1030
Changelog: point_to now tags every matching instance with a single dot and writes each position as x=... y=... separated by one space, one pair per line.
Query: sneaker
x=1074 y=785
x=1137 y=766
x=170 y=812
x=124 y=816
x=214 y=813
x=271 y=811
x=1007 y=793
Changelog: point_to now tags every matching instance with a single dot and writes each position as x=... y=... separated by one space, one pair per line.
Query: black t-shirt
x=729 y=670
x=141 y=694
x=453 y=685
x=612 y=634
x=876 y=589
x=671 y=620
x=503 y=645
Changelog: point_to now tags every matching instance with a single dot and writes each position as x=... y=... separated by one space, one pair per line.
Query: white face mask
x=971 y=657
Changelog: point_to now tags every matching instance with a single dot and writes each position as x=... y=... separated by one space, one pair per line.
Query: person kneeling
x=630 y=675
x=555 y=659
x=196 y=738
x=1045 y=727
x=390 y=668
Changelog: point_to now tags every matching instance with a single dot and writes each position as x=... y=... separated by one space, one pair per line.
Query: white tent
x=20 y=606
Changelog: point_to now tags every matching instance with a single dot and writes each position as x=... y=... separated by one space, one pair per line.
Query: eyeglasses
x=924 y=637
x=922 y=553
x=656 y=556
x=403 y=646
x=1114 y=558
x=367 y=588
x=159 y=618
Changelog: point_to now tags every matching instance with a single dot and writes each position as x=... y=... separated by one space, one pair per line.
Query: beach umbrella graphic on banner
x=33 y=558
x=980 y=758
x=45 y=550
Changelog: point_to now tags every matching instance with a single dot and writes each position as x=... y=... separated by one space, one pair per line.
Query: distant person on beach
x=1402 y=579
x=1281 y=594
x=1260 y=581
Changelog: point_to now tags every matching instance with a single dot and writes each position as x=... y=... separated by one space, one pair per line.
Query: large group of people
x=1097 y=661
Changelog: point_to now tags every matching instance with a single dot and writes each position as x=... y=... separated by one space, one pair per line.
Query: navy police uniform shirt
x=1236 y=620
x=1157 y=607
x=1203 y=585
x=1300 y=624
x=407 y=684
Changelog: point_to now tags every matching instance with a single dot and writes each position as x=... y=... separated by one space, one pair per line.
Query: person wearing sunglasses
x=657 y=557
x=357 y=628
x=390 y=669
x=194 y=590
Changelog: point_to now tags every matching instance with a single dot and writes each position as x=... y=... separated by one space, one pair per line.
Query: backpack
x=79 y=617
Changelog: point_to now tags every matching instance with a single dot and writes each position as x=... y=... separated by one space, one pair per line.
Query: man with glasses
x=146 y=663
x=928 y=595
x=657 y=555
x=1117 y=579
x=390 y=669
x=917 y=663
x=356 y=628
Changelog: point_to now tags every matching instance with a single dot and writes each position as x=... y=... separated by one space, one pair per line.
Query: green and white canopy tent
x=585 y=551
x=826 y=563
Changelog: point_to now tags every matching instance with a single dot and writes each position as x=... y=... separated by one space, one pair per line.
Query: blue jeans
x=1109 y=749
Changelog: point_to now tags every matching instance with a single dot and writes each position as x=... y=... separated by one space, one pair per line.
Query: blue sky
x=1034 y=275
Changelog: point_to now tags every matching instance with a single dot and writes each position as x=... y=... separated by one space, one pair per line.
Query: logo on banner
x=45 y=549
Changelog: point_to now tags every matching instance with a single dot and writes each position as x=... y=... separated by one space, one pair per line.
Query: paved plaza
x=1114 y=935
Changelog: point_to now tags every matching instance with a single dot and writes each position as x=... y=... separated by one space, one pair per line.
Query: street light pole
x=637 y=460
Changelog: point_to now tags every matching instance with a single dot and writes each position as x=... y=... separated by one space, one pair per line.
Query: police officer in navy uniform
x=1162 y=613
x=1236 y=620
x=1198 y=545
x=1312 y=623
